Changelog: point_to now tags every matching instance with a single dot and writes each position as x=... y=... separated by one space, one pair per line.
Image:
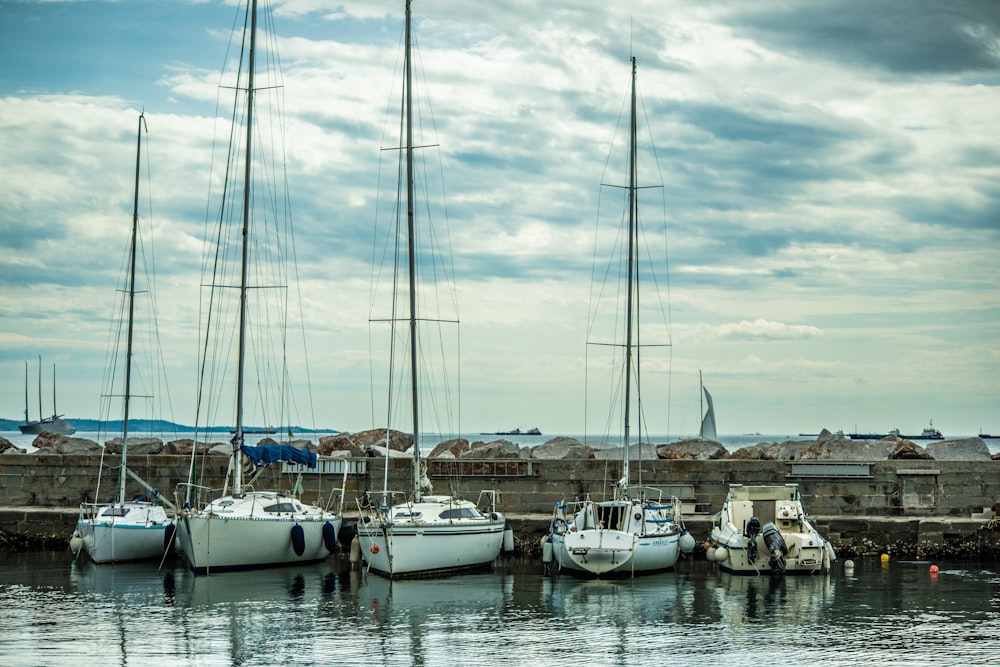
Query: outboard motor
x=776 y=545
x=753 y=530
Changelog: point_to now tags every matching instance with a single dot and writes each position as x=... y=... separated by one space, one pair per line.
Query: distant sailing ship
x=53 y=424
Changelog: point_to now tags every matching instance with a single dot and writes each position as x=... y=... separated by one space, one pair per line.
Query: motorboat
x=765 y=529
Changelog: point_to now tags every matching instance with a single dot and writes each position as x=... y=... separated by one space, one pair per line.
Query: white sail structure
x=640 y=530
x=409 y=534
x=243 y=528
x=125 y=529
x=707 y=430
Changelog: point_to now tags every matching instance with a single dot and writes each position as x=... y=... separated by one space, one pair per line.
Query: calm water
x=57 y=612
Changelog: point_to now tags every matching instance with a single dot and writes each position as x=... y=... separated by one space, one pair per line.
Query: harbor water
x=59 y=612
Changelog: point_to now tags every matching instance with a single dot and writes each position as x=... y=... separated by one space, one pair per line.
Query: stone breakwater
x=882 y=496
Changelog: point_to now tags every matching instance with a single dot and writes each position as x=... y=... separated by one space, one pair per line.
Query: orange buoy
x=934 y=569
x=374 y=549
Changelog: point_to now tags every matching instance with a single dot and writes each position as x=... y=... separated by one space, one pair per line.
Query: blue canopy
x=273 y=453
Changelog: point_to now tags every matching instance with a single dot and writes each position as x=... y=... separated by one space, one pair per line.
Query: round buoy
x=374 y=549
x=75 y=544
x=686 y=542
x=934 y=569
x=721 y=554
x=885 y=558
x=508 y=539
x=298 y=539
x=849 y=565
x=710 y=554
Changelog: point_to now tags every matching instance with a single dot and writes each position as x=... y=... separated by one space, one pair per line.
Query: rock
x=845 y=449
x=692 y=449
x=135 y=445
x=907 y=449
x=78 y=446
x=641 y=452
x=788 y=450
x=454 y=448
x=751 y=453
x=48 y=439
x=363 y=441
x=561 y=448
x=969 y=449
x=185 y=446
x=6 y=445
x=498 y=449
x=220 y=449
x=377 y=451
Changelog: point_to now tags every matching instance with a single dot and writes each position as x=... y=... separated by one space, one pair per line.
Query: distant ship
x=516 y=431
x=53 y=424
x=929 y=433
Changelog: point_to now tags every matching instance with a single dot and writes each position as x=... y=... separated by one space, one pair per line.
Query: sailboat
x=640 y=529
x=53 y=424
x=707 y=430
x=411 y=534
x=244 y=528
x=125 y=529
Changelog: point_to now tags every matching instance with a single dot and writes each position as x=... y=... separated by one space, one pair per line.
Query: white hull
x=124 y=532
x=741 y=549
x=236 y=533
x=430 y=537
x=646 y=537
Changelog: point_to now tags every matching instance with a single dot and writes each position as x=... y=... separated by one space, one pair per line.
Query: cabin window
x=460 y=513
x=115 y=511
x=280 y=507
x=407 y=515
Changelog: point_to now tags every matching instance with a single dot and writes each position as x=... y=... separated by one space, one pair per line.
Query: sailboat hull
x=124 y=532
x=438 y=536
x=258 y=529
x=55 y=425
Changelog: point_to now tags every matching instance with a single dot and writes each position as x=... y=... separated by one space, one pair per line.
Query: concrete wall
x=898 y=488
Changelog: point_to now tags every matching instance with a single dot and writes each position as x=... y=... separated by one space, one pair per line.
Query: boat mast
x=26 y=419
x=40 y=412
x=407 y=94
x=131 y=312
x=701 y=407
x=237 y=440
x=632 y=211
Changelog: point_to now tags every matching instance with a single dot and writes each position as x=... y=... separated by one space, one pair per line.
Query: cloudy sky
x=830 y=172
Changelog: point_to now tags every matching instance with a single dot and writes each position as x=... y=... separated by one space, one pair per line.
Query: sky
x=830 y=184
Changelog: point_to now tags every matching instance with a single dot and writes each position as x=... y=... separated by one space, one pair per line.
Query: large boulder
x=789 y=450
x=363 y=441
x=756 y=452
x=78 y=446
x=185 y=445
x=8 y=446
x=135 y=445
x=969 y=449
x=561 y=448
x=48 y=440
x=907 y=449
x=692 y=449
x=845 y=449
x=450 y=449
x=497 y=449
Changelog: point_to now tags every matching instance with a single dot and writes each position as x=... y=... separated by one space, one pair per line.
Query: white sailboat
x=707 y=430
x=125 y=529
x=411 y=534
x=640 y=530
x=244 y=528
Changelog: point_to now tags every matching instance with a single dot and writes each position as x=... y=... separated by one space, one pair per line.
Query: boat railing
x=190 y=496
x=489 y=500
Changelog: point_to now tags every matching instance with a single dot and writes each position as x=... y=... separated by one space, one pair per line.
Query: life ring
x=374 y=549
x=559 y=526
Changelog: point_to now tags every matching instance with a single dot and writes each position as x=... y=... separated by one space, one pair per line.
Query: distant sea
x=429 y=440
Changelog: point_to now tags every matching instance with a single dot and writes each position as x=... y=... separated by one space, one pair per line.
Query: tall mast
x=40 y=412
x=26 y=420
x=131 y=311
x=701 y=407
x=238 y=436
x=632 y=204
x=407 y=94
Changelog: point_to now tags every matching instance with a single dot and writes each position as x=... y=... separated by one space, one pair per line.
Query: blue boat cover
x=273 y=453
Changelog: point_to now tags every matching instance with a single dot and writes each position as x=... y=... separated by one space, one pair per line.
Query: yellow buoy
x=885 y=558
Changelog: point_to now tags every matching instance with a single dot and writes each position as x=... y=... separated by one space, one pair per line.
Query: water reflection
x=57 y=612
